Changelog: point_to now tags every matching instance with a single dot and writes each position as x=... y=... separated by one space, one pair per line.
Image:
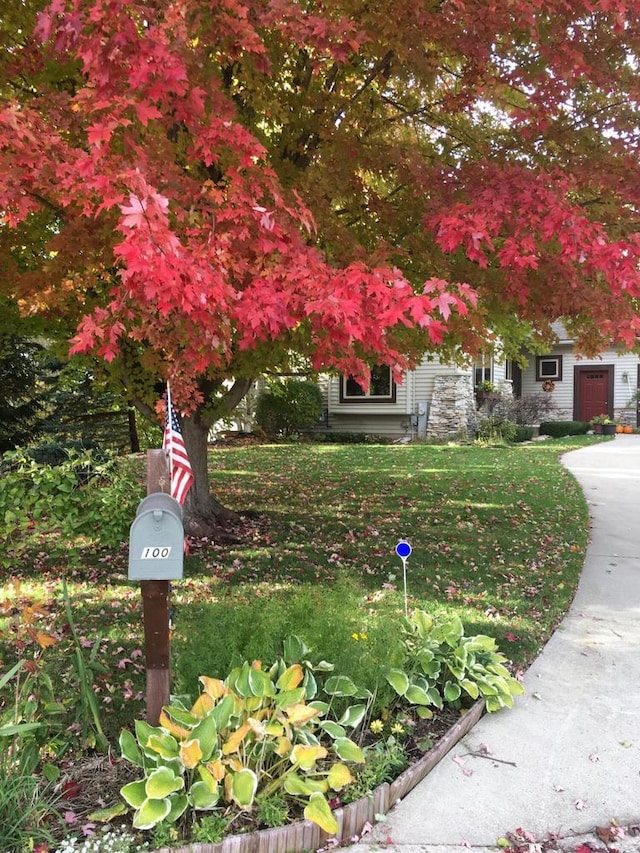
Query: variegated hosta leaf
x=283 y=746
x=290 y=697
x=209 y=779
x=333 y=729
x=353 y=716
x=181 y=716
x=291 y=678
x=164 y=744
x=301 y=713
x=129 y=748
x=162 y=782
x=213 y=687
x=243 y=787
x=417 y=696
x=206 y=733
x=203 y=704
x=176 y=730
x=134 y=793
x=339 y=776
x=347 y=750
x=150 y=813
x=144 y=732
x=223 y=712
x=398 y=680
x=190 y=754
x=340 y=685
x=215 y=768
x=306 y=756
x=105 y=815
x=299 y=787
x=235 y=739
x=260 y=683
x=202 y=797
x=179 y=803
x=317 y=810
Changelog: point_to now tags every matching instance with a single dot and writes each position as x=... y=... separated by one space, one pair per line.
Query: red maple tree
x=210 y=187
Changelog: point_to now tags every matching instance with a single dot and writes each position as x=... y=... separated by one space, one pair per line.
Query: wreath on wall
x=548 y=385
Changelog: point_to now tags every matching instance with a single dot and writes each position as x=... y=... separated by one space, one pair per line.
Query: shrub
x=82 y=495
x=288 y=408
x=559 y=429
x=523 y=433
x=262 y=732
x=496 y=428
x=529 y=409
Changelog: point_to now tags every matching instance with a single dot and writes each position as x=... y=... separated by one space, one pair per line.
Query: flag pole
x=170 y=432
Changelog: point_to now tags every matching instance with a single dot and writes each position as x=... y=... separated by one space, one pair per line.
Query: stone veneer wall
x=452 y=413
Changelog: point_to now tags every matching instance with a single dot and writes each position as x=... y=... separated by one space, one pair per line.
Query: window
x=382 y=388
x=481 y=373
x=548 y=367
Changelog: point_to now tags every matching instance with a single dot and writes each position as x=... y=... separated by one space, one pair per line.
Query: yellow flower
x=376 y=726
x=363 y=636
x=355 y=637
x=397 y=729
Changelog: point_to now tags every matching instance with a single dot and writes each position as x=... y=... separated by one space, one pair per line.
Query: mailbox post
x=156 y=546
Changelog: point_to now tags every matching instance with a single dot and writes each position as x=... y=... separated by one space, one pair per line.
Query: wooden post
x=155 y=608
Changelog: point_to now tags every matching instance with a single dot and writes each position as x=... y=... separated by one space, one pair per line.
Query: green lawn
x=498 y=536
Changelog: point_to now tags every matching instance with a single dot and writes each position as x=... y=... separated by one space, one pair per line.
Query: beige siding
x=425 y=375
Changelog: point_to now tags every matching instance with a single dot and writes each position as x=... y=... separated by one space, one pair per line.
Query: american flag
x=179 y=465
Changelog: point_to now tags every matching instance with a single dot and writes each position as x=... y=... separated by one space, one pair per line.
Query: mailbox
x=156 y=539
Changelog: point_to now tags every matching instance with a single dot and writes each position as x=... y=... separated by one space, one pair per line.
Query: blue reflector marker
x=403 y=549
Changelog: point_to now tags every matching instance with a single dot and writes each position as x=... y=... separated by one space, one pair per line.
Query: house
x=580 y=387
x=437 y=400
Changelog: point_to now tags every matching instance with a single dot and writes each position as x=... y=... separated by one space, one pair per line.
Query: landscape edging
x=303 y=835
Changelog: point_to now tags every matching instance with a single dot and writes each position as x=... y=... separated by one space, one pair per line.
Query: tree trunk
x=134 y=439
x=204 y=515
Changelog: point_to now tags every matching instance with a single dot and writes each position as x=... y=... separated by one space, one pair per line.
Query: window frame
x=555 y=375
x=368 y=397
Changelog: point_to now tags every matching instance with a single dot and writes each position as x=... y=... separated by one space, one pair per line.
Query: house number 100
x=157 y=553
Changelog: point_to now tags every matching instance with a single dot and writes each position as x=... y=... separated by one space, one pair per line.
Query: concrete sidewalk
x=566 y=759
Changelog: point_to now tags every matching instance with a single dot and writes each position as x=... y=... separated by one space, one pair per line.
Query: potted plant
x=603 y=425
x=598 y=422
x=486 y=391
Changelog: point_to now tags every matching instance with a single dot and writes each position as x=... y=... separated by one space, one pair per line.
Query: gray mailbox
x=156 y=539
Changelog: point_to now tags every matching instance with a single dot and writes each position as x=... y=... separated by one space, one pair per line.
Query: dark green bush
x=288 y=408
x=86 y=495
x=50 y=453
x=558 y=429
x=523 y=433
x=496 y=428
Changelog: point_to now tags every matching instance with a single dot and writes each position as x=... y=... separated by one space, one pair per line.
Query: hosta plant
x=258 y=733
x=441 y=666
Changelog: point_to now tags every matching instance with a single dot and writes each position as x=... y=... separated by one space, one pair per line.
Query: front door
x=594 y=392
